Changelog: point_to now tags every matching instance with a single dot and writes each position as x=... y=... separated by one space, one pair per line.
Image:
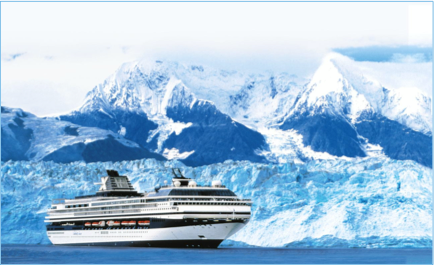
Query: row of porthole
x=158 y=209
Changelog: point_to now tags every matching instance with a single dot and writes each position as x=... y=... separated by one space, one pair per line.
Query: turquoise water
x=111 y=255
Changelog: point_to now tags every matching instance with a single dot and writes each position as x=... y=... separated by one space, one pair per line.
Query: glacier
x=372 y=202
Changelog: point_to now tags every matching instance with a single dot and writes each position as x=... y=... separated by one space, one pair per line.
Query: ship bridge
x=114 y=185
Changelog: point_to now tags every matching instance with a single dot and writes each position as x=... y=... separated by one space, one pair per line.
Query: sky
x=52 y=54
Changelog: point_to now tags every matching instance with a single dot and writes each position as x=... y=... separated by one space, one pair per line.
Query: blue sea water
x=49 y=254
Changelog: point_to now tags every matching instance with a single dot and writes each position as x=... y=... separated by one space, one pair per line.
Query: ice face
x=370 y=202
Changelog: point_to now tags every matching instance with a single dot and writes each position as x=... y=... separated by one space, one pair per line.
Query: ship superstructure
x=182 y=214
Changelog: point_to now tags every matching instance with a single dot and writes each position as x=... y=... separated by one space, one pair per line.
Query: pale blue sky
x=54 y=53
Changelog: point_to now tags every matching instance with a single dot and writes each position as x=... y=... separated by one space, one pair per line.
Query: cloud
x=409 y=58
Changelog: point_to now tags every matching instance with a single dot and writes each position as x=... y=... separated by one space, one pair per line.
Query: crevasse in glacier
x=369 y=202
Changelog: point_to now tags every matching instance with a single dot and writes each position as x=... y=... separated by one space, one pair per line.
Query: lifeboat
x=102 y=223
x=95 y=224
x=142 y=223
x=132 y=223
x=117 y=223
x=126 y=223
x=88 y=224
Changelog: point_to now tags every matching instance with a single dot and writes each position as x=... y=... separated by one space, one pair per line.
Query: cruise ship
x=182 y=215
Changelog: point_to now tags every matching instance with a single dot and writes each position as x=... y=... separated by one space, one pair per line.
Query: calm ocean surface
x=124 y=255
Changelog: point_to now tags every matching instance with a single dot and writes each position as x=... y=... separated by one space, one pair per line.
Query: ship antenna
x=182 y=176
x=176 y=174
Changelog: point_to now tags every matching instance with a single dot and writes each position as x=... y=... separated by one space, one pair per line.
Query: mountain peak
x=331 y=91
x=327 y=79
x=178 y=95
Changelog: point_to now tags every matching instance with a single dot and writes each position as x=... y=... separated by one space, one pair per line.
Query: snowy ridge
x=410 y=107
x=345 y=112
x=161 y=106
x=145 y=86
x=340 y=87
x=158 y=94
x=371 y=202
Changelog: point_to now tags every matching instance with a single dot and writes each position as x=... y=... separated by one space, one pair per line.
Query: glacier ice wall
x=370 y=202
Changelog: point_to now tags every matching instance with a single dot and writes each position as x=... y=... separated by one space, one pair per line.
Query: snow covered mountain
x=342 y=112
x=201 y=115
x=184 y=111
x=339 y=160
x=369 y=202
x=341 y=87
x=27 y=137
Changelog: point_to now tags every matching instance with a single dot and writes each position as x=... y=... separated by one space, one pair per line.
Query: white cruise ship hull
x=194 y=236
x=183 y=215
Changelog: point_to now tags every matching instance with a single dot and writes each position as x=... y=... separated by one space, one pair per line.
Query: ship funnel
x=112 y=173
